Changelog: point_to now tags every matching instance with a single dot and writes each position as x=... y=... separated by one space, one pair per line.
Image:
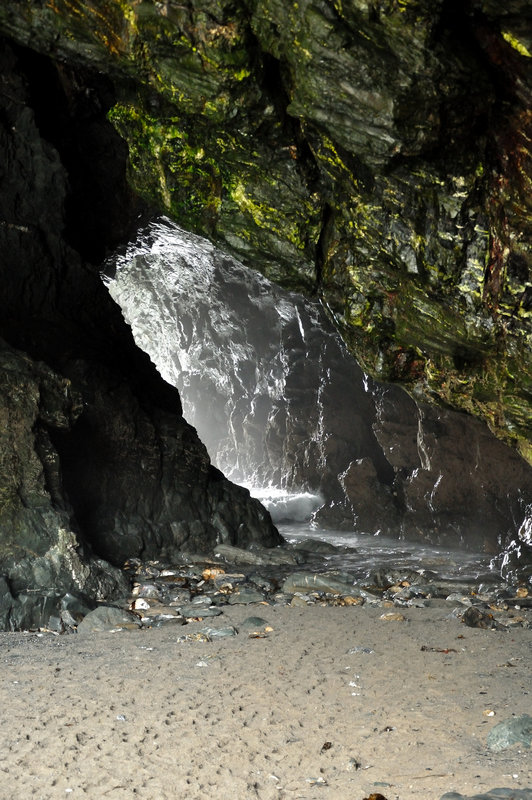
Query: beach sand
x=293 y=715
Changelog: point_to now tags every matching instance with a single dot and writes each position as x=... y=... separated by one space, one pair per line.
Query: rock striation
x=374 y=153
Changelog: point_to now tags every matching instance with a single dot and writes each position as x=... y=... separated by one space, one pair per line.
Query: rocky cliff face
x=375 y=154
x=96 y=461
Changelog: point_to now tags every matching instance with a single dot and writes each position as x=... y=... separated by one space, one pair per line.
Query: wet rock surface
x=272 y=390
x=396 y=197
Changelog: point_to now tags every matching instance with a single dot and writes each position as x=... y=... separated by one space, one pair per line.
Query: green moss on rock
x=377 y=154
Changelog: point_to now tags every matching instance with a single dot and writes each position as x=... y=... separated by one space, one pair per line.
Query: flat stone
x=316 y=546
x=106 y=618
x=515 y=730
x=259 y=556
x=200 y=611
x=244 y=596
x=305 y=581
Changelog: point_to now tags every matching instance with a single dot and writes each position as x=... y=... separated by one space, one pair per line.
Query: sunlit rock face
x=280 y=402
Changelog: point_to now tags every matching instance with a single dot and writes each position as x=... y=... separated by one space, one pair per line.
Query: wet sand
x=294 y=715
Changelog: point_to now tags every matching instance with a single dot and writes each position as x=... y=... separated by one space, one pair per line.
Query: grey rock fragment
x=515 y=730
x=245 y=595
x=332 y=584
x=106 y=618
x=200 y=611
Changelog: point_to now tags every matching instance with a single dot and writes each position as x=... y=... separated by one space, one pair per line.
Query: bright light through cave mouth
x=286 y=411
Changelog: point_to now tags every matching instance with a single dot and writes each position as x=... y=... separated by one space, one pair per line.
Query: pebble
x=392 y=616
x=200 y=588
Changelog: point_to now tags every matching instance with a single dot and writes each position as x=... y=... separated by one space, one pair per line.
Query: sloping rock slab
x=107 y=618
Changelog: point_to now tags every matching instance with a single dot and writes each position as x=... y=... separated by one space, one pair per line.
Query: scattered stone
x=392 y=616
x=106 y=618
x=265 y=584
x=515 y=730
x=475 y=617
x=227 y=581
x=300 y=600
x=256 y=624
x=197 y=636
x=146 y=590
x=457 y=597
x=385 y=578
x=332 y=584
x=210 y=573
x=245 y=595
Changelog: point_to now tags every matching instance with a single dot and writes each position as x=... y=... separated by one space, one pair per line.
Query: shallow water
x=362 y=553
x=374 y=552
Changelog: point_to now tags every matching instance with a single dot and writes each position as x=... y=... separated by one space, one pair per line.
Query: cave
x=354 y=199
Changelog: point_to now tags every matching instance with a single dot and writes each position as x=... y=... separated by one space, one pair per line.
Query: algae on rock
x=375 y=154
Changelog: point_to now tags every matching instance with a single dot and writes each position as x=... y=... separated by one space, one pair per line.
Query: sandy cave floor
x=293 y=715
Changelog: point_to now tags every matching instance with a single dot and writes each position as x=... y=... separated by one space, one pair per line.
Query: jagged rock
x=375 y=155
x=96 y=461
x=41 y=558
x=281 y=402
x=365 y=151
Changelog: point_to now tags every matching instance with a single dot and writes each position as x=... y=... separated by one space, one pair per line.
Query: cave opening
x=285 y=410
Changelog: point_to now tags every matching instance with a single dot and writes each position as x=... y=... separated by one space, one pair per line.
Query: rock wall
x=374 y=152
x=96 y=461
